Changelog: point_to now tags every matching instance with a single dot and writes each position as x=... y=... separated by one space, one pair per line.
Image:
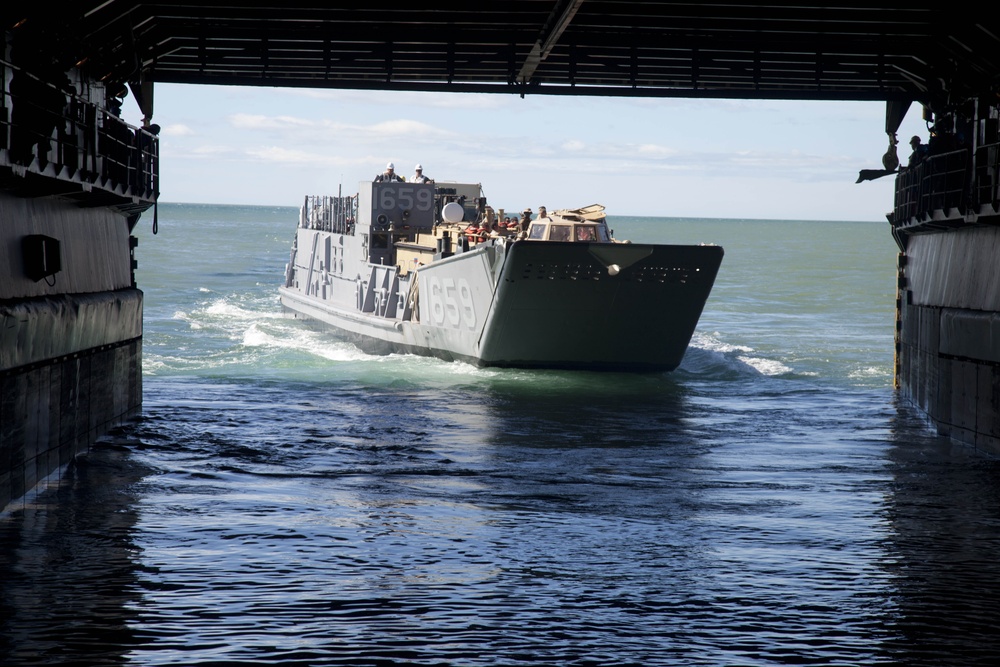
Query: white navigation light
x=453 y=212
x=613 y=269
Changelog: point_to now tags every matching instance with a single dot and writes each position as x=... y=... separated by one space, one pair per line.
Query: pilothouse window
x=537 y=232
x=586 y=233
x=560 y=233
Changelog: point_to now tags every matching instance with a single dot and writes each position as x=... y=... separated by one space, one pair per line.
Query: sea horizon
x=295 y=206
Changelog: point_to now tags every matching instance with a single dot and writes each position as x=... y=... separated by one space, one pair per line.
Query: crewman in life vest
x=484 y=230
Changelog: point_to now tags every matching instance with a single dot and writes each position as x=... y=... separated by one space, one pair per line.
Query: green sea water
x=793 y=298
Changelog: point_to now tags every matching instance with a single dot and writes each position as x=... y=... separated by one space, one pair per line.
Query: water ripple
x=345 y=523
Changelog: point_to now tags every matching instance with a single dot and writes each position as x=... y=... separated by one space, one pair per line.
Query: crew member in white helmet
x=389 y=175
x=418 y=176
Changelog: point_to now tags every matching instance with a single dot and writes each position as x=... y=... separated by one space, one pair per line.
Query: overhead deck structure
x=843 y=51
x=74 y=178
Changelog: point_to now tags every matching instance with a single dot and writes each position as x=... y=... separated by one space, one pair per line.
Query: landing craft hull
x=557 y=305
x=540 y=305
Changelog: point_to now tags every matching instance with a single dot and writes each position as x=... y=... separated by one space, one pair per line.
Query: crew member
x=389 y=175
x=418 y=175
x=525 y=220
x=919 y=152
x=485 y=228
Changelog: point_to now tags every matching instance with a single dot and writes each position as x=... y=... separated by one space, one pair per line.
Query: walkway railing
x=329 y=214
x=950 y=186
x=56 y=133
x=987 y=177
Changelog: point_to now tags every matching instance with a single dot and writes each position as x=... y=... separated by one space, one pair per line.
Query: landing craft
x=429 y=269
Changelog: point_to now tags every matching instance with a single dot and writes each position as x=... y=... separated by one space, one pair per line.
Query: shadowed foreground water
x=653 y=521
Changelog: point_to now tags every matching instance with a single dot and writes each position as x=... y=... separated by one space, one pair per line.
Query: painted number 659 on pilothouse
x=449 y=303
x=403 y=204
x=406 y=197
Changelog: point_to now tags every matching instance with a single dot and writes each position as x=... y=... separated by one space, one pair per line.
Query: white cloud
x=246 y=121
x=177 y=130
x=793 y=159
x=294 y=129
x=292 y=156
x=402 y=128
x=213 y=150
x=654 y=151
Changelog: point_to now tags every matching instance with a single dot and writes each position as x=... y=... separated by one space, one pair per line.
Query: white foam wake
x=710 y=353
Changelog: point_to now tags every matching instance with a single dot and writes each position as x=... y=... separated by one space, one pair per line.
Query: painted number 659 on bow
x=450 y=302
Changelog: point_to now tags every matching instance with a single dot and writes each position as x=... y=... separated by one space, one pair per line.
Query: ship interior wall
x=70 y=340
x=948 y=342
x=53 y=411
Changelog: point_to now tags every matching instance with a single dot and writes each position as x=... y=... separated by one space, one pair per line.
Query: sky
x=781 y=160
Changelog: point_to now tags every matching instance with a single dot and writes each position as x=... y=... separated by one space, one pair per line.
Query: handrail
x=53 y=132
x=938 y=183
x=987 y=176
x=330 y=214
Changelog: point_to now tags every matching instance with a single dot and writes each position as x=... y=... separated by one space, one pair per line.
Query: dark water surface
x=285 y=499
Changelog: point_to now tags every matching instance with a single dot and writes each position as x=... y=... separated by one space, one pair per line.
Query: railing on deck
x=52 y=132
x=987 y=177
x=951 y=184
x=939 y=182
x=329 y=214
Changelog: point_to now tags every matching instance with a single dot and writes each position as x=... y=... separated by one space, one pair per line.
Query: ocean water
x=285 y=499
